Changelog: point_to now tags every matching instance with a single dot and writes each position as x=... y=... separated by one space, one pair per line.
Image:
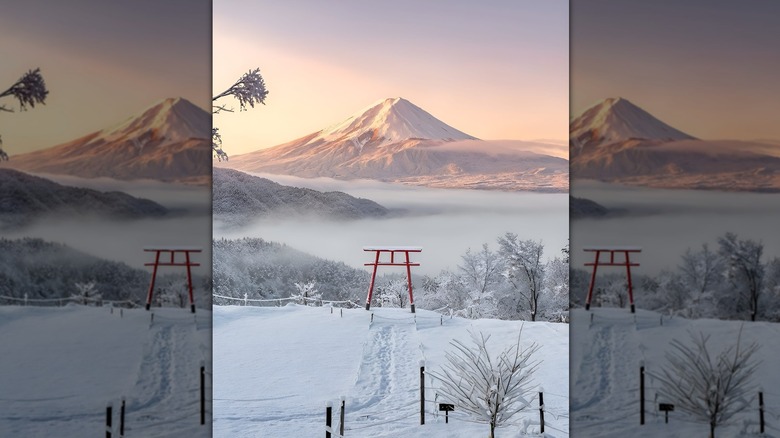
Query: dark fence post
x=541 y=410
x=122 y=419
x=761 y=409
x=328 y=419
x=422 y=392
x=108 y=420
x=341 y=416
x=641 y=392
x=202 y=392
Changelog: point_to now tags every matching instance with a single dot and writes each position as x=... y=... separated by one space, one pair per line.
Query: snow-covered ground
x=61 y=367
x=605 y=361
x=276 y=368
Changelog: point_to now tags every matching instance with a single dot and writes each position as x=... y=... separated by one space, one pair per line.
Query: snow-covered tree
x=249 y=89
x=710 y=388
x=87 y=293
x=745 y=271
x=523 y=268
x=29 y=90
x=488 y=390
x=481 y=273
x=307 y=293
x=393 y=293
x=554 y=302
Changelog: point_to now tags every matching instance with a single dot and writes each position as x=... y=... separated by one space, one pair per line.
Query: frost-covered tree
x=29 y=90
x=481 y=274
x=554 y=302
x=249 y=89
x=307 y=293
x=489 y=390
x=87 y=293
x=392 y=293
x=745 y=270
x=524 y=268
x=710 y=388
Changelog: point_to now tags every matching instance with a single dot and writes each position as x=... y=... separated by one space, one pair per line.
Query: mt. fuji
x=617 y=119
x=616 y=141
x=394 y=140
x=168 y=142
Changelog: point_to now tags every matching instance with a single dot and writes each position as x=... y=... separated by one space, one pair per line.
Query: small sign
x=667 y=407
x=446 y=407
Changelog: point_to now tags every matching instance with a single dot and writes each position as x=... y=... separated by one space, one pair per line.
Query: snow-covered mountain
x=617 y=119
x=397 y=141
x=617 y=141
x=168 y=142
x=25 y=198
x=239 y=198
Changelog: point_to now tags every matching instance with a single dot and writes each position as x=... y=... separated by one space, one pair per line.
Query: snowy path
x=388 y=381
x=605 y=359
x=601 y=389
x=167 y=386
x=278 y=385
x=63 y=366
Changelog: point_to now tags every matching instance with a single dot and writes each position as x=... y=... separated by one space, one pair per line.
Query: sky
x=707 y=67
x=102 y=63
x=495 y=71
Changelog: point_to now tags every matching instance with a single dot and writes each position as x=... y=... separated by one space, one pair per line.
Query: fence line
x=61 y=299
x=279 y=300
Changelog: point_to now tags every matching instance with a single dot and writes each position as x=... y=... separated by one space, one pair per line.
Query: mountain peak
x=616 y=119
x=173 y=118
x=391 y=120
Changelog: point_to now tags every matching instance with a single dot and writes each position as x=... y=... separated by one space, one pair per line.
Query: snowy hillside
x=26 y=198
x=239 y=198
x=279 y=385
x=168 y=142
x=61 y=367
x=617 y=119
x=396 y=141
x=606 y=353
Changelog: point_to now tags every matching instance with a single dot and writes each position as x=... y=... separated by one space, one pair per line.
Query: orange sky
x=495 y=72
x=102 y=62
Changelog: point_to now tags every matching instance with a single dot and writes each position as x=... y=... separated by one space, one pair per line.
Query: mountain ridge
x=26 y=198
x=168 y=141
x=397 y=141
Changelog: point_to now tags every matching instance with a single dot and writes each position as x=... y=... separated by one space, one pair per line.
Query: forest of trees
x=39 y=269
x=514 y=282
x=730 y=281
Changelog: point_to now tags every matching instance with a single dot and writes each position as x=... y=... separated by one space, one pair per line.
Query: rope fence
x=60 y=301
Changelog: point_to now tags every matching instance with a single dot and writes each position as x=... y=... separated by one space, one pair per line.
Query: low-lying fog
x=667 y=222
x=188 y=225
x=445 y=222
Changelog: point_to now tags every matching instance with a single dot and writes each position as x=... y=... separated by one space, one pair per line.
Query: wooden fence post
x=341 y=416
x=641 y=392
x=328 y=419
x=108 y=420
x=422 y=392
x=122 y=419
x=541 y=410
x=761 y=409
x=202 y=392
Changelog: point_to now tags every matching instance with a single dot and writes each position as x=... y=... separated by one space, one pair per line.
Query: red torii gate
x=392 y=250
x=625 y=262
x=171 y=262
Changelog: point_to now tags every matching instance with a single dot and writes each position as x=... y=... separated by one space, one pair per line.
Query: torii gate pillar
x=171 y=262
x=611 y=262
x=392 y=250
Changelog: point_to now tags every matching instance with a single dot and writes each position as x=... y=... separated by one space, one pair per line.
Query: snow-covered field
x=61 y=367
x=605 y=361
x=276 y=368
